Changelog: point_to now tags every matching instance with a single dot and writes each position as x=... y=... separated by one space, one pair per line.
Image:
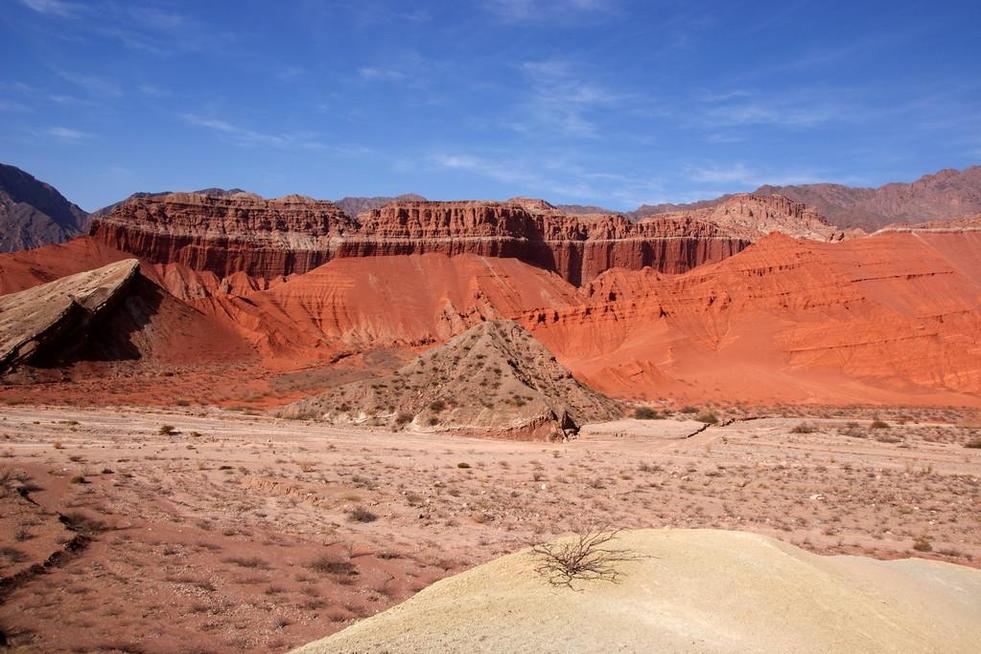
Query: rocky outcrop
x=275 y=238
x=33 y=214
x=492 y=379
x=36 y=322
x=225 y=234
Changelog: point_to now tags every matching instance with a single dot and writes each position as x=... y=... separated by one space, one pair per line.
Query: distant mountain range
x=33 y=213
x=940 y=196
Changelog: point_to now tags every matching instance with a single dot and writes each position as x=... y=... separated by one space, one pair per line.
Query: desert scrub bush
x=804 y=428
x=922 y=544
x=707 y=417
x=688 y=409
x=646 y=413
x=333 y=565
x=361 y=514
x=167 y=430
x=463 y=464
x=253 y=562
x=587 y=556
x=974 y=443
x=403 y=418
x=437 y=405
x=879 y=424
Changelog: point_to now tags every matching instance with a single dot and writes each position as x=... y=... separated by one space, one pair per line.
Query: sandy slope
x=698 y=591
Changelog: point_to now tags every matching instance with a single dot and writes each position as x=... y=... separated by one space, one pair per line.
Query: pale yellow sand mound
x=699 y=591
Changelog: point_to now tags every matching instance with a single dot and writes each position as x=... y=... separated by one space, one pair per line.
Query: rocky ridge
x=36 y=322
x=274 y=238
x=33 y=214
x=494 y=378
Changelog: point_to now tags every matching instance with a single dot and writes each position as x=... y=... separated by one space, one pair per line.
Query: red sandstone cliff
x=274 y=238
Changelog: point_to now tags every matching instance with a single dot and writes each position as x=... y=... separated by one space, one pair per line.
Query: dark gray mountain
x=33 y=213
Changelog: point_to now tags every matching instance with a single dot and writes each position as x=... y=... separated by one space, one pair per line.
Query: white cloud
x=739 y=175
x=555 y=177
x=53 y=7
x=67 y=134
x=247 y=137
x=92 y=84
x=533 y=10
x=374 y=73
x=560 y=100
x=7 y=105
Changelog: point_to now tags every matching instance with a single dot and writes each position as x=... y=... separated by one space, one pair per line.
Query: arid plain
x=202 y=530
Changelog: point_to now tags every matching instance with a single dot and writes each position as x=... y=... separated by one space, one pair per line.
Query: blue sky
x=606 y=102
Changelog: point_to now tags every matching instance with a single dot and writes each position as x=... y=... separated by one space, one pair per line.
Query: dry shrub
x=586 y=557
x=361 y=514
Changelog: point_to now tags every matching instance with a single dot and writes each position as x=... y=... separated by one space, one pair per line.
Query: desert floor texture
x=202 y=530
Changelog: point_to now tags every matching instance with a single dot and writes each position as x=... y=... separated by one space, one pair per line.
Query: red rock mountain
x=894 y=317
x=269 y=239
x=33 y=213
x=940 y=196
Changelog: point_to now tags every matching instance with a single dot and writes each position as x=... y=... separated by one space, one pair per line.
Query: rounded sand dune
x=690 y=591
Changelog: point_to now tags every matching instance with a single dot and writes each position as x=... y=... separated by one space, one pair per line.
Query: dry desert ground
x=203 y=530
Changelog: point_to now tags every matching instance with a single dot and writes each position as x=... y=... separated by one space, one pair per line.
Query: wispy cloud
x=142 y=26
x=93 y=85
x=536 y=10
x=561 y=100
x=9 y=105
x=247 y=137
x=558 y=179
x=374 y=73
x=738 y=176
x=54 y=7
x=68 y=134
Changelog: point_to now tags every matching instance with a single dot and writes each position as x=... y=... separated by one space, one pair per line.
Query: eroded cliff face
x=226 y=234
x=894 y=317
x=270 y=239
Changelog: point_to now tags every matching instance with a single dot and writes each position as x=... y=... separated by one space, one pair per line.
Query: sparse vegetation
x=361 y=514
x=331 y=564
x=167 y=430
x=586 y=557
x=646 y=413
x=879 y=424
x=804 y=428
x=707 y=417
x=922 y=544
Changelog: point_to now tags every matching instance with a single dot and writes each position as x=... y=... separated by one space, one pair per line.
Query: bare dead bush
x=588 y=556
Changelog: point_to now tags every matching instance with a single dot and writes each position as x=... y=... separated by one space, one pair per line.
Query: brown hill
x=354 y=205
x=33 y=213
x=493 y=378
x=940 y=196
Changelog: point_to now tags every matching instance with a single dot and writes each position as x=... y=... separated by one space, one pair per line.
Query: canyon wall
x=243 y=233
